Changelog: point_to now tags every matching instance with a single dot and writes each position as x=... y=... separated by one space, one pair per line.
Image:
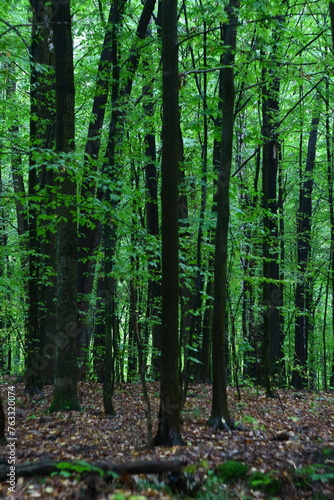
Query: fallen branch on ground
x=47 y=467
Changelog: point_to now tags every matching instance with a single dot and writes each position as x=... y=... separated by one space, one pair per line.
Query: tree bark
x=220 y=416
x=272 y=299
x=154 y=264
x=39 y=365
x=303 y=294
x=65 y=384
x=169 y=432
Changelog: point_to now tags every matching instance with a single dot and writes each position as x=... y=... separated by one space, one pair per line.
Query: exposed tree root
x=220 y=423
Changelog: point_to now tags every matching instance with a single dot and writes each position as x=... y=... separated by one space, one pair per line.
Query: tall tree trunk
x=303 y=294
x=154 y=264
x=65 y=384
x=272 y=299
x=206 y=347
x=111 y=168
x=220 y=416
x=169 y=432
x=39 y=360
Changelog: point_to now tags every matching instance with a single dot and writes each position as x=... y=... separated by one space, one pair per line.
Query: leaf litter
x=290 y=437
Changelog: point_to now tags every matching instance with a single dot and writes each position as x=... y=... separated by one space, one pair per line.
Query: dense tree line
x=225 y=110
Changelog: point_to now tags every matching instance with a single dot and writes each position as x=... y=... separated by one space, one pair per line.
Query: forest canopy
x=119 y=144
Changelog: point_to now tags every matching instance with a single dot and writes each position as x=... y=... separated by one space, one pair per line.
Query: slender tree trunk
x=206 y=348
x=220 y=416
x=272 y=300
x=154 y=264
x=65 y=384
x=303 y=295
x=112 y=169
x=169 y=432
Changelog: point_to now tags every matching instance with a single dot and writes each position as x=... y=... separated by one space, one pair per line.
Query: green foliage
x=122 y=496
x=213 y=488
x=249 y=420
x=80 y=466
x=301 y=59
x=232 y=470
x=265 y=482
x=305 y=476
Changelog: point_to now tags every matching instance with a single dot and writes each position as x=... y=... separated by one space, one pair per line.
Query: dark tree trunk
x=152 y=223
x=206 y=348
x=169 y=432
x=110 y=230
x=303 y=294
x=154 y=264
x=39 y=362
x=220 y=416
x=65 y=384
x=272 y=299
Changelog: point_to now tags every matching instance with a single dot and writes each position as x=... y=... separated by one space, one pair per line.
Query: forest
x=167 y=249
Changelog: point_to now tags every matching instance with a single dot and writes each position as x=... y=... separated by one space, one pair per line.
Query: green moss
x=264 y=482
x=232 y=470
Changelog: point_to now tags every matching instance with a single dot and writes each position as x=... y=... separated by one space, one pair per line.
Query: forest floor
x=290 y=440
